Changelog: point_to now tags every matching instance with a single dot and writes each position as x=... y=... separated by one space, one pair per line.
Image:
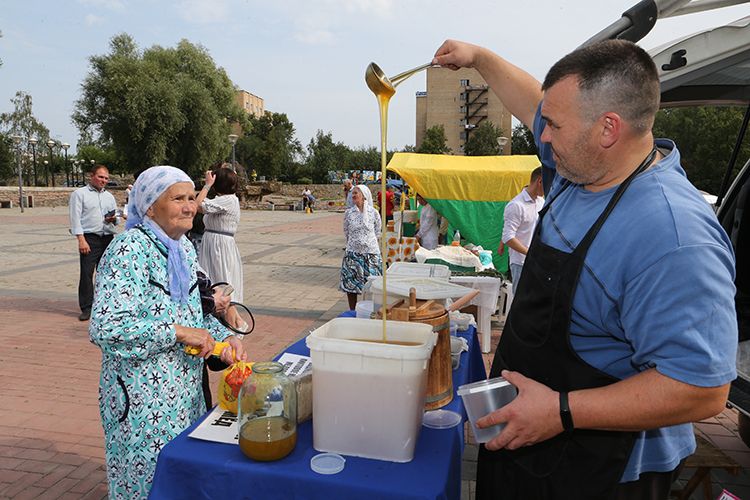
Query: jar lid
x=441 y=419
x=327 y=463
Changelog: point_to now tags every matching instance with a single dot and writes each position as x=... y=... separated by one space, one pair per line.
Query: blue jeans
x=515 y=275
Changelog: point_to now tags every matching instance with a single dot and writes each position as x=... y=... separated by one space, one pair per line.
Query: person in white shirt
x=92 y=220
x=520 y=218
x=429 y=228
x=348 y=193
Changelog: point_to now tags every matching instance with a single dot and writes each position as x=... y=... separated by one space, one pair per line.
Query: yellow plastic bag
x=230 y=384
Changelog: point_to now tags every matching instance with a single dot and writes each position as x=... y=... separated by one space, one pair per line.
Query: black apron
x=582 y=464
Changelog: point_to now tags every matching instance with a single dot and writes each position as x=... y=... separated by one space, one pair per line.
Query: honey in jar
x=267 y=417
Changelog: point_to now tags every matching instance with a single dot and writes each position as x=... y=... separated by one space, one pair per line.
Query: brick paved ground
x=51 y=442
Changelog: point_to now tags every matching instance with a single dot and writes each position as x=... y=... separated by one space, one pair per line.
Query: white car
x=713 y=67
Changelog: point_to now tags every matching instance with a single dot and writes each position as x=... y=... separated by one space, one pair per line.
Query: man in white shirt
x=427 y=236
x=520 y=218
x=348 y=193
x=92 y=219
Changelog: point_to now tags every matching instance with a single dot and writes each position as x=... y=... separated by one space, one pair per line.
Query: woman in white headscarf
x=146 y=310
x=362 y=257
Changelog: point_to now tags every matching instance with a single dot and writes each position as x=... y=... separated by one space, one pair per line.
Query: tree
x=434 y=141
x=367 y=158
x=7 y=158
x=164 y=105
x=522 y=141
x=102 y=155
x=483 y=140
x=271 y=149
x=323 y=156
x=21 y=121
x=705 y=137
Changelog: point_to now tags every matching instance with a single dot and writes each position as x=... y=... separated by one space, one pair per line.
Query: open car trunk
x=713 y=68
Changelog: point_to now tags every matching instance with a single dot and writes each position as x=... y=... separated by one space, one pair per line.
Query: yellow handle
x=216 y=352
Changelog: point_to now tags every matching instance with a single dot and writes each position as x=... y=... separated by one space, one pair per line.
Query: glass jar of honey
x=267 y=417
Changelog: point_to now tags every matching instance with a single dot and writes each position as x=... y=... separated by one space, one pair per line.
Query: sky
x=305 y=58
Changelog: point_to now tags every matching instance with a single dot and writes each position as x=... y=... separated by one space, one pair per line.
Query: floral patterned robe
x=149 y=389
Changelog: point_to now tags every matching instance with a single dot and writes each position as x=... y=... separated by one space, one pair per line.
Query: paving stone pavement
x=51 y=440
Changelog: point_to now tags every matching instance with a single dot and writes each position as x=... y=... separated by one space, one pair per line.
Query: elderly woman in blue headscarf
x=147 y=309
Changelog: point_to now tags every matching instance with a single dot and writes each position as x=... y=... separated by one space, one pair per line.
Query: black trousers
x=89 y=261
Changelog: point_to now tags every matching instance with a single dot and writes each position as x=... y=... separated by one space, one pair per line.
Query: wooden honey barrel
x=440 y=372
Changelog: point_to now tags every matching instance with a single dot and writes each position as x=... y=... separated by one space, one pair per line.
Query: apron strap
x=585 y=243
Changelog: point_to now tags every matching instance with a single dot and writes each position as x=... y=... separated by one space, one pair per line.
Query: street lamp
x=502 y=142
x=65 y=147
x=17 y=142
x=233 y=139
x=50 y=144
x=33 y=141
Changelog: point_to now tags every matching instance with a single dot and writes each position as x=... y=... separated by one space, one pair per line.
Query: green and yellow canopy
x=470 y=191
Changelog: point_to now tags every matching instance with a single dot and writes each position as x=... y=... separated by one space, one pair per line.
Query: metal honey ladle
x=380 y=84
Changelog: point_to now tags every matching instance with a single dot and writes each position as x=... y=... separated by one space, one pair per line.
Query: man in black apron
x=602 y=365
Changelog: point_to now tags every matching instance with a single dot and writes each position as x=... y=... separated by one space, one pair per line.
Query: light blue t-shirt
x=657 y=289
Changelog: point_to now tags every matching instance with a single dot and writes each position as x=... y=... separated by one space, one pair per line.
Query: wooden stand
x=440 y=374
x=706 y=457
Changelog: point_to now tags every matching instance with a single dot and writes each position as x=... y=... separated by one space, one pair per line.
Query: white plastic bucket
x=368 y=398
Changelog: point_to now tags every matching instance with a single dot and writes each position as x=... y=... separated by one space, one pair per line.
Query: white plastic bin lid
x=427 y=288
x=414 y=269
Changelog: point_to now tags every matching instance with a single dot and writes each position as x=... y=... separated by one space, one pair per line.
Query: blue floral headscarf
x=149 y=186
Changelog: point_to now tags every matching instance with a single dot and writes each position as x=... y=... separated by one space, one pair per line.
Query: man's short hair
x=535 y=174
x=613 y=75
x=96 y=168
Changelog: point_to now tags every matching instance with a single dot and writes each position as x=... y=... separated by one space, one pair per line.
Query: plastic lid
x=426 y=288
x=327 y=463
x=441 y=419
x=482 y=385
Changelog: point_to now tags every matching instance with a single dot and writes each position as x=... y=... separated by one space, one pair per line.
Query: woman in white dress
x=219 y=254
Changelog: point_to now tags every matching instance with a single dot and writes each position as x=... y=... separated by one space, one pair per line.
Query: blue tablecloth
x=191 y=468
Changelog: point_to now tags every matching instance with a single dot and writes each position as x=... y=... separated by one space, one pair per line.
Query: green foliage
x=21 y=121
x=270 y=148
x=164 y=105
x=705 y=137
x=522 y=141
x=482 y=141
x=7 y=158
x=366 y=158
x=106 y=156
x=323 y=156
x=304 y=180
x=434 y=141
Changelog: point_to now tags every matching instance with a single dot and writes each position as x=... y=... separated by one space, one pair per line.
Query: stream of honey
x=384 y=97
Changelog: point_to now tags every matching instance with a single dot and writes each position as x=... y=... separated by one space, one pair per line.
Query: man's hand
x=83 y=245
x=454 y=55
x=532 y=417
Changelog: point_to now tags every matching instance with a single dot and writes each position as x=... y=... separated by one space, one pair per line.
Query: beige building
x=459 y=101
x=251 y=103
